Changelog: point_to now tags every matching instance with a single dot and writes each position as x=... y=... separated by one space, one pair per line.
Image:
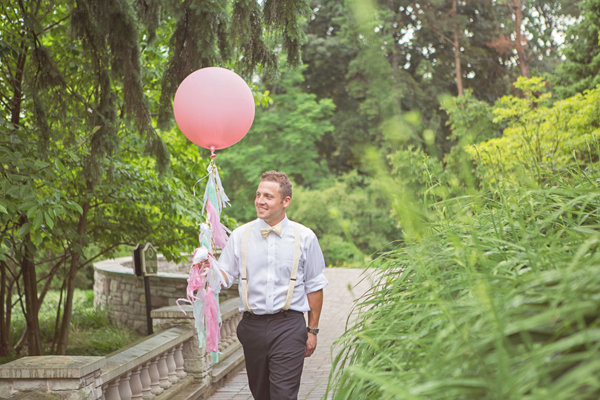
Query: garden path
x=345 y=285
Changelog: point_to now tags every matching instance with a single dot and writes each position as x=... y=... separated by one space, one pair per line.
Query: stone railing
x=149 y=368
x=166 y=365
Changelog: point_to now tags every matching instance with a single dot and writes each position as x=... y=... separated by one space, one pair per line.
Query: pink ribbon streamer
x=211 y=320
x=219 y=235
x=196 y=283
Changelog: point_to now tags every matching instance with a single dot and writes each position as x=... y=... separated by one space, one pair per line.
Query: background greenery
x=91 y=333
x=452 y=146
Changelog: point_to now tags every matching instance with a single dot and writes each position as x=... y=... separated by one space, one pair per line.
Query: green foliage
x=471 y=122
x=581 y=69
x=282 y=137
x=327 y=57
x=91 y=332
x=349 y=215
x=540 y=135
x=470 y=119
x=498 y=300
x=492 y=292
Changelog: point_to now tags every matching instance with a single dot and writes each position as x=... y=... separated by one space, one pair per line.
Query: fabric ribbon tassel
x=199 y=306
x=211 y=318
x=219 y=235
x=204 y=281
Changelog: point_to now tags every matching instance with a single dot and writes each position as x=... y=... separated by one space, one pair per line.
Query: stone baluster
x=104 y=389
x=171 y=366
x=124 y=386
x=179 y=361
x=234 y=323
x=163 y=371
x=232 y=328
x=224 y=335
x=136 y=384
x=146 y=381
x=224 y=330
x=112 y=392
x=155 y=377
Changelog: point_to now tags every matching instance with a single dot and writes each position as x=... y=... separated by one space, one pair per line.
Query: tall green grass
x=500 y=300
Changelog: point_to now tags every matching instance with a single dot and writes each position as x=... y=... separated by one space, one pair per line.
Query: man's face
x=268 y=202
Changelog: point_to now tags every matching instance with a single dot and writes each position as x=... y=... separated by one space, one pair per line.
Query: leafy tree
x=327 y=56
x=581 y=69
x=529 y=32
x=405 y=58
x=377 y=59
x=282 y=137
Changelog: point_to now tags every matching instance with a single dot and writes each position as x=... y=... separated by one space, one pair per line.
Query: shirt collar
x=263 y=224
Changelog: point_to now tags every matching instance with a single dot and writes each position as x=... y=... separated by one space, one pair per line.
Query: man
x=279 y=265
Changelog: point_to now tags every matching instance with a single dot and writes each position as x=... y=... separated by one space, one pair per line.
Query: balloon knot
x=212 y=152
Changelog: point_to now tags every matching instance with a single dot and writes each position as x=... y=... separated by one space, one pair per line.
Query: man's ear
x=286 y=201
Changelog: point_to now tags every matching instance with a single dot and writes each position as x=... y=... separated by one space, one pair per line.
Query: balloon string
x=198 y=181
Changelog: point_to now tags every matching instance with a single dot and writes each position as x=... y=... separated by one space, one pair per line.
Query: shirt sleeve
x=314 y=266
x=228 y=263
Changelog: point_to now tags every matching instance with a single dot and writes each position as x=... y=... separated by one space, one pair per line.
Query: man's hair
x=285 y=186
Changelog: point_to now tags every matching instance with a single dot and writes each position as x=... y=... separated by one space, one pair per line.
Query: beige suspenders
x=290 y=292
x=244 y=270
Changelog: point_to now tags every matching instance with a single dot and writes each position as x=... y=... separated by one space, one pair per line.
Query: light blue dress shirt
x=269 y=264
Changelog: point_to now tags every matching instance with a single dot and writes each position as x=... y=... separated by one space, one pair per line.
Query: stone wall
x=66 y=377
x=121 y=292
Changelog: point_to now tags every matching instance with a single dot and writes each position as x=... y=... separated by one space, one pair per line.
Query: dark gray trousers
x=274 y=347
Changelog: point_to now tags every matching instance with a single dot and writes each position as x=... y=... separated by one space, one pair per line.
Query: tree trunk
x=63 y=336
x=17 y=97
x=32 y=306
x=459 y=82
x=5 y=310
x=456 y=46
x=519 y=46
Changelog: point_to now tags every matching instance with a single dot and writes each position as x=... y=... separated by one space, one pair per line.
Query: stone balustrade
x=169 y=364
x=149 y=368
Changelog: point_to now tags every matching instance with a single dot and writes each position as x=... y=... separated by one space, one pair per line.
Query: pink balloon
x=214 y=107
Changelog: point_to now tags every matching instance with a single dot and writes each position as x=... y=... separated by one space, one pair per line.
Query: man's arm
x=315 y=302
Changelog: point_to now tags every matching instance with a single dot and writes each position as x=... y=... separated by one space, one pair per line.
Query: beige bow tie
x=275 y=229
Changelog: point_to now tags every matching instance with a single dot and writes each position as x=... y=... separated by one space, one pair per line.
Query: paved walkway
x=345 y=285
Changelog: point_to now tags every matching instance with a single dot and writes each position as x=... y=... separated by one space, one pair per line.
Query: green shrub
x=91 y=332
x=499 y=301
x=350 y=216
x=541 y=136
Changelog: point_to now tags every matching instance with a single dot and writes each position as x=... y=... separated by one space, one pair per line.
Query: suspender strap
x=290 y=293
x=244 y=269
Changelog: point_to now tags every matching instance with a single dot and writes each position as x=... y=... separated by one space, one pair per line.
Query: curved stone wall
x=121 y=292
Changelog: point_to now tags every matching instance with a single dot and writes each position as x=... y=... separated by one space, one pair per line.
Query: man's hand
x=311 y=345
